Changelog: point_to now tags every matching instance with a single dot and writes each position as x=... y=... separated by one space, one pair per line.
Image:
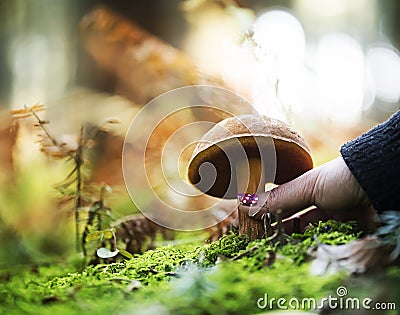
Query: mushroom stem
x=250 y=179
x=250 y=176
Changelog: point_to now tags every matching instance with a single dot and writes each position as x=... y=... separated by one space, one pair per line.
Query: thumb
x=295 y=195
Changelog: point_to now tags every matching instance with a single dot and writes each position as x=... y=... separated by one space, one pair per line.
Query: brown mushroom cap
x=255 y=135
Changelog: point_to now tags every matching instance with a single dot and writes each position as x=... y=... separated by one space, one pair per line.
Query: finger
x=295 y=195
x=366 y=217
x=257 y=210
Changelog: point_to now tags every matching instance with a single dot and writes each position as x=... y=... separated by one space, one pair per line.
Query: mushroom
x=241 y=154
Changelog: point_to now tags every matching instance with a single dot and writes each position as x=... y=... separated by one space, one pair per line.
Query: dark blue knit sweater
x=374 y=160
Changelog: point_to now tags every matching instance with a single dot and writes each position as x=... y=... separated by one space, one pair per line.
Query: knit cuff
x=374 y=160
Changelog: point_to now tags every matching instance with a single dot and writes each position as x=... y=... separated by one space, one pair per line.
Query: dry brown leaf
x=360 y=256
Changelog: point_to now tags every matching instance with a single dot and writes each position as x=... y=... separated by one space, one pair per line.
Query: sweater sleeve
x=374 y=160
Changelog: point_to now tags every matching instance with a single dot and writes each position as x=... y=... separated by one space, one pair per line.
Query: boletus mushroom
x=240 y=154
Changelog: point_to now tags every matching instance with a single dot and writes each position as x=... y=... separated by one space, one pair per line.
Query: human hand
x=331 y=188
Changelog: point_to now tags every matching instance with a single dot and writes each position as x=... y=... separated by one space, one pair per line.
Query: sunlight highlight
x=340 y=75
x=384 y=64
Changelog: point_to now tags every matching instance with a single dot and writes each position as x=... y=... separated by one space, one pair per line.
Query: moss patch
x=225 y=277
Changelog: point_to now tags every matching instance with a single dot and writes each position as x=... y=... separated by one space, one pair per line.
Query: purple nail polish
x=247 y=199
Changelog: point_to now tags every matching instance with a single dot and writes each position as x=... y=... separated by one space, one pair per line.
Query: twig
x=78 y=159
x=245 y=253
x=42 y=124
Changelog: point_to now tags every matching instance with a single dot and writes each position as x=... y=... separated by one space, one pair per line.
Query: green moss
x=331 y=232
x=225 y=247
x=225 y=277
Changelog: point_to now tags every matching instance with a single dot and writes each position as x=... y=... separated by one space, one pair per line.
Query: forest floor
x=229 y=276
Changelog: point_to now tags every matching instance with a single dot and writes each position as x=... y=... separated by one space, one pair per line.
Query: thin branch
x=79 y=183
x=42 y=124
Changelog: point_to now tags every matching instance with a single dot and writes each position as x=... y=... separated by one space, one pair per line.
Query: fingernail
x=247 y=199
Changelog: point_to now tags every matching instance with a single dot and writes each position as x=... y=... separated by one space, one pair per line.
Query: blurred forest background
x=329 y=68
